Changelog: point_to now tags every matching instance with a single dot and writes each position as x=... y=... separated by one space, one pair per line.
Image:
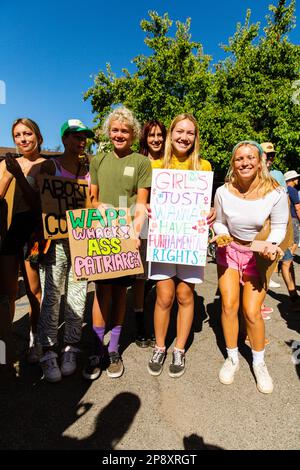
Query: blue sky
x=50 y=50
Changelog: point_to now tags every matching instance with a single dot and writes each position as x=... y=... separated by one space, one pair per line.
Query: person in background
x=56 y=269
x=287 y=267
x=243 y=204
x=26 y=220
x=152 y=145
x=120 y=178
x=269 y=155
x=177 y=281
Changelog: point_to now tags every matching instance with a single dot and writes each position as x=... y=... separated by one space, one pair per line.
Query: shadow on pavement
x=195 y=442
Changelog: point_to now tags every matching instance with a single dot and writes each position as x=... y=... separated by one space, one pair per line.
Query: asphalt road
x=138 y=411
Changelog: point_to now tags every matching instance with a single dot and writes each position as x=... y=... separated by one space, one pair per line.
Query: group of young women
x=243 y=204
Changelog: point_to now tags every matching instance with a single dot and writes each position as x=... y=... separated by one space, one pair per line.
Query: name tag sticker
x=129 y=171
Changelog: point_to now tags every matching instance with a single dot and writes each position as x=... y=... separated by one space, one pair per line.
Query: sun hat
x=268 y=147
x=75 y=125
x=291 y=175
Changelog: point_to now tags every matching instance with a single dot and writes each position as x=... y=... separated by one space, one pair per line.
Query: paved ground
x=138 y=411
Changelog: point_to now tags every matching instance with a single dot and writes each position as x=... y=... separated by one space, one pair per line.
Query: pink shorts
x=238 y=257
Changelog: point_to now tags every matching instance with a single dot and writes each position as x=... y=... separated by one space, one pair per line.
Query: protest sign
x=180 y=203
x=102 y=244
x=57 y=196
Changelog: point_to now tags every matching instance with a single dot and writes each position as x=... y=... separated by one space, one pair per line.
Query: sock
x=258 y=357
x=233 y=354
x=99 y=332
x=114 y=339
x=178 y=349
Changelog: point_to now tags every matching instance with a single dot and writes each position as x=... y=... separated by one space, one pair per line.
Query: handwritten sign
x=57 y=196
x=102 y=244
x=180 y=203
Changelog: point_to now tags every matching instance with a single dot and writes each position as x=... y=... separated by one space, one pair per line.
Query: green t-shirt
x=119 y=179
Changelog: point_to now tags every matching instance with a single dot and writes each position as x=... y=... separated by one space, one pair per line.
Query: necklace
x=245 y=194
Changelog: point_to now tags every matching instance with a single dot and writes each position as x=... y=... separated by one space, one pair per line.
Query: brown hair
x=32 y=125
x=144 y=149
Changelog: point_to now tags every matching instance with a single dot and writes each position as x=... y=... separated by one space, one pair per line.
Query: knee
x=165 y=300
x=252 y=315
x=230 y=309
x=184 y=298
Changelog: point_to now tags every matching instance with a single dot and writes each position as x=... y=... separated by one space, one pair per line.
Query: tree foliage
x=251 y=94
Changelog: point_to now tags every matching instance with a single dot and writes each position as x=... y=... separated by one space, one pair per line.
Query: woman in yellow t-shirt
x=177 y=280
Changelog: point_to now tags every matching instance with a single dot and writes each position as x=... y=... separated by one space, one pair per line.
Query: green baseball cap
x=75 y=125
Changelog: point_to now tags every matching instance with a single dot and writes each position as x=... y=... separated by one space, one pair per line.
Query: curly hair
x=126 y=116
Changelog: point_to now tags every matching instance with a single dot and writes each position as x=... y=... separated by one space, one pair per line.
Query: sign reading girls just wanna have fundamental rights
x=102 y=244
x=180 y=203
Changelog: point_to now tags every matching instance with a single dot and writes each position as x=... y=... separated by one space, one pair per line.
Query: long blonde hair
x=266 y=182
x=194 y=151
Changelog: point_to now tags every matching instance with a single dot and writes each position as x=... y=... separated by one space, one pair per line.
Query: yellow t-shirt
x=185 y=164
x=158 y=163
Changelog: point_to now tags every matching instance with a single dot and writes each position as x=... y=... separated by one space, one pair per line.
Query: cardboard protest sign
x=57 y=196
x=102 y=244
x=180 y=202
x=6 y=209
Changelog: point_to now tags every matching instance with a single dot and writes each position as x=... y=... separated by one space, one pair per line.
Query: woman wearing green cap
x=55 y=270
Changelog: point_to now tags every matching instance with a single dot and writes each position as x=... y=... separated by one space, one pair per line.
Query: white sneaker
x=228 y=369
x=50 y=367
x=35 y=351
x=68 y=360
x=273 y=284
x=264 y=382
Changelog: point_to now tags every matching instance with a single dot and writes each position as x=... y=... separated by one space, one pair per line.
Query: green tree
x=254 y=93
x=172 y=79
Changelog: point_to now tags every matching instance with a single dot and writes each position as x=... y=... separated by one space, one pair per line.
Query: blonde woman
x=243 y=204
x=177 y=281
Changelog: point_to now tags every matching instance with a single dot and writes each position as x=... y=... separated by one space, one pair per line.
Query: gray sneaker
x=115 y=368
x=177 y=366
x=155 y=365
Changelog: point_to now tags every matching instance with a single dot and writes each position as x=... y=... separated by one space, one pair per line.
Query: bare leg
x=165 y=295
x=185 y=299
x=33 y=291
x=253 y=297
x=229 y=285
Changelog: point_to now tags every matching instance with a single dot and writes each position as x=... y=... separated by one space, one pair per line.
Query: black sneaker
x=115 y=368
x=152 y=341
x=177 y=366
x=93 y=368
x=141 y=338
x=155 y=365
